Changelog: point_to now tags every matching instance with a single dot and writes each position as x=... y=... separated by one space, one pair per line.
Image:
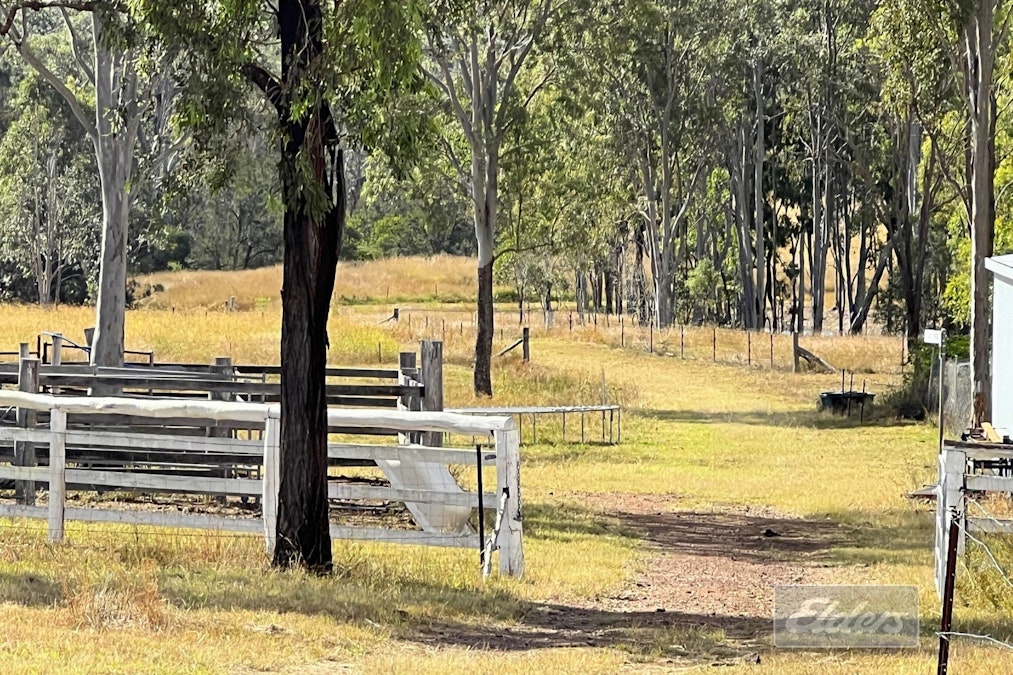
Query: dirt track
x=713 y=571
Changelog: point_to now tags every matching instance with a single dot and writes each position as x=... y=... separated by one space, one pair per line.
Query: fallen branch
x=813 y=360
x=513 y=346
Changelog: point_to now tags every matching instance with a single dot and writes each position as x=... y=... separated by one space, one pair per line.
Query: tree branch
x=266 y=82
x=37 y=5
x=81 y=62
x=49 y=76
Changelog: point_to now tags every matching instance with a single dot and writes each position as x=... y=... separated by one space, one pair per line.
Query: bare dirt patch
x=722 y=563
x=708 y=578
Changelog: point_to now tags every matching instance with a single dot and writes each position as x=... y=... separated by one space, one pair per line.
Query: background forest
x=763 y=164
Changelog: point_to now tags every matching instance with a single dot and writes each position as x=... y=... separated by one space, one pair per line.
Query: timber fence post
x=408 y=372
x=508 y=489
x=57 y=472
x=24 y=451
x=57 y=348
x=223 y=367
x=431 y=377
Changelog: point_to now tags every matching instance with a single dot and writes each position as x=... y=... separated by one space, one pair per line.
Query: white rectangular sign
x=933 y=336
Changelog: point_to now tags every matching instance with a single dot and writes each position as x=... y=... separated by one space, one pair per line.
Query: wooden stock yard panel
x=145 y=455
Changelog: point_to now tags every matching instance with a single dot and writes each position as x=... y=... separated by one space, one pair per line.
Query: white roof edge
x=1001 y=266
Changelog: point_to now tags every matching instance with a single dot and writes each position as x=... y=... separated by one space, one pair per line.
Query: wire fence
x=957 y=399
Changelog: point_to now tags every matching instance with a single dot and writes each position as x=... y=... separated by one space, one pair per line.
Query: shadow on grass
x=420 y=606
x=30 y=590
x=643 y=633
x=737 y=536
x=492 y=618
x=550 y=521
x=892 y=537
x=807 y=418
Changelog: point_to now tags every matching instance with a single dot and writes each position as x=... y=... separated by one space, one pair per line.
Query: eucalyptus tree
x=971 y=39
x=978 y=33
x=47 y=214
x=346 y=72
x=476 y=58
x=647 y=66
x=109 y=96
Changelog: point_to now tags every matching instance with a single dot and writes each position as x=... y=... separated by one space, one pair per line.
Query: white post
x=57 y=475
x=942 y=523
x=949 y=494
x=269 y=482
x=508 y=481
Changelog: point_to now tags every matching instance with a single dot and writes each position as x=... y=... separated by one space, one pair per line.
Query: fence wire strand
x=983 y=545
x=974 y=636
x=988 y=552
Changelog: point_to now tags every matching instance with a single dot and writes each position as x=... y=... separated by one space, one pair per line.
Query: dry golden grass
x=198 y=336
x=438 y=278
x=859 y=354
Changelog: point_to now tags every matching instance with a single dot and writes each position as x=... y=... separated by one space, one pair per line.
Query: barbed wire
x=988 y=552
x=974 y=636
x=985 y=512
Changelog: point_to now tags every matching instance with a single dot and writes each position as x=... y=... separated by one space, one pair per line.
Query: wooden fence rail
x=417 y=473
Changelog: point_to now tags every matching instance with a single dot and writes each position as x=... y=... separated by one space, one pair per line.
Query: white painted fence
x=424 y=490
x=967 y=468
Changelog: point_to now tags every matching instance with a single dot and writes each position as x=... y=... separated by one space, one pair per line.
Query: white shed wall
x=1002 y=348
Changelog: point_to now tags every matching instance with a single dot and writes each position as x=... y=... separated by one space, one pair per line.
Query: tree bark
x=760 y=254
x=312 y=235
x=484 y=334
x=115 y=78
x=485 y=199
x=979 y=74
x=639 y=282
x=739 y=192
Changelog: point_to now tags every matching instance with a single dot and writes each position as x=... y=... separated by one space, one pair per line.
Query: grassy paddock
x=199 y=336
x=697 y=436
x=438 y=278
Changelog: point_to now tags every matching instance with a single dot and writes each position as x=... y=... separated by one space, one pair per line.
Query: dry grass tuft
x=130 y=602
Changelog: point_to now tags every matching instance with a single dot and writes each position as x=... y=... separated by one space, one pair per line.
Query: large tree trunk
x=639 y=282
x=114 y=147
x=978 y=62
x=760 y=254
x=483 y=338
x=740 y=178
x=110 y=308
x=484 y=224
x=312 y=232
x=982 y=103
x=818 y=249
